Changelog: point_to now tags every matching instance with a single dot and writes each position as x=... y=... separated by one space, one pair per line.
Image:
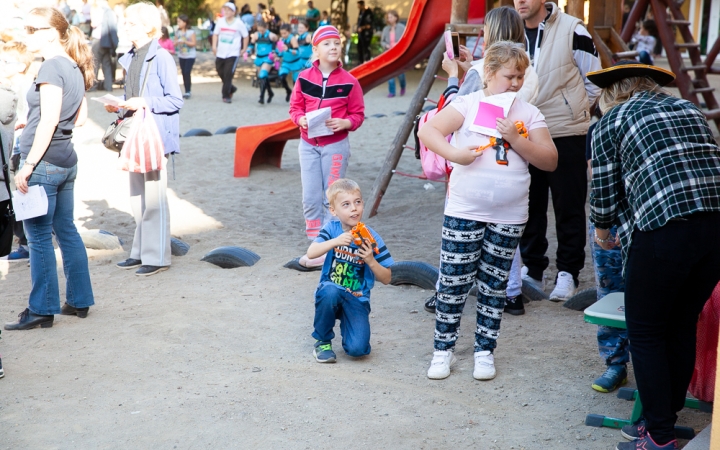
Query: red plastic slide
x=260 y=144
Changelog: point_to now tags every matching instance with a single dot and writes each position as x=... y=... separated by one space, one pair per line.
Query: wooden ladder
x=689 y=86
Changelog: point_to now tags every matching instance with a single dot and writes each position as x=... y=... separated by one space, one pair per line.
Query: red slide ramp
x=258 y=144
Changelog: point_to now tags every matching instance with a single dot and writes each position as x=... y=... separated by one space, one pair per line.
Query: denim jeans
x=332 y=303
x=644 y=57
x=612 y=342
x=186 y=65
x=45 y=294
x=391 y=83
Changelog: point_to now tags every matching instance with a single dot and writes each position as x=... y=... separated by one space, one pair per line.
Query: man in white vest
x=562 y=53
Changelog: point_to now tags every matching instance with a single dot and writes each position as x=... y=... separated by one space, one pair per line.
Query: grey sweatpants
x=148 y=200
x=320 y=166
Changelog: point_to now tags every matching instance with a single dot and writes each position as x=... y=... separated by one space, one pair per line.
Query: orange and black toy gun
x=361 y=233
x=501 y=147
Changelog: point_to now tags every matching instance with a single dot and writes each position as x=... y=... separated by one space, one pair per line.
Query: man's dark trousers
x=568 y=186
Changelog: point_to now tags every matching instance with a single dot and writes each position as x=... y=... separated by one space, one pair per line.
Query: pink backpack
x=435 y=167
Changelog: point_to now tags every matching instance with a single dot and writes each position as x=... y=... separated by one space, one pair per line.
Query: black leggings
x=186 y=65
x=669 y=275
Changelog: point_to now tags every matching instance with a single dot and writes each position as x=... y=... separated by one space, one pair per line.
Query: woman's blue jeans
x=45 y=294
x=391 y=83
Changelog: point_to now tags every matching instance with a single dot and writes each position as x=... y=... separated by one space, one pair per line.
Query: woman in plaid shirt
x=656 y=174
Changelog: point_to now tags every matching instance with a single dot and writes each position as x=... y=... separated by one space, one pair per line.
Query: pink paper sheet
x=487 y=115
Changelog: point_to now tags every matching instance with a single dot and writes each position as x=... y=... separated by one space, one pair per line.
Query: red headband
x=325 y=32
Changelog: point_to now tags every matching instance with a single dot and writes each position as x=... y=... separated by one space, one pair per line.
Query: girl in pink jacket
x=326 y=103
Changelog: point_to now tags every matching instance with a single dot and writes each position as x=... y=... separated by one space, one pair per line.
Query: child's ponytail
x=76 y=47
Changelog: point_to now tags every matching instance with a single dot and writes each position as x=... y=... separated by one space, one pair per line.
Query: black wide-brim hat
x=628 y=69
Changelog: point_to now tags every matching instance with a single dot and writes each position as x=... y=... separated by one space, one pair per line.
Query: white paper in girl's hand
x=316 y=122
x=32 y=204
x=489 y=110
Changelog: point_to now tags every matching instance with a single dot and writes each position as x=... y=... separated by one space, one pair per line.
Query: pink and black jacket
x=342 y=93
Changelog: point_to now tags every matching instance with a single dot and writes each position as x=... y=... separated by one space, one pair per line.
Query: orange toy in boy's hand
x=501 y=147
x=360 y=233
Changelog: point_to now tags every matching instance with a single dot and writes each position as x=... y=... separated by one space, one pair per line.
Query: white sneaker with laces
x=484 y=366
x=440 y=365
x=564 y=287
x=532 y=288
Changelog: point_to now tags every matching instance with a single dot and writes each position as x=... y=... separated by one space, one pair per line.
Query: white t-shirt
x=485 y=190
x=230 y=37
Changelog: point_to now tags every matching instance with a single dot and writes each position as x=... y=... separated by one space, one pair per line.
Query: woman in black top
x=56 y=101
x=656 y=175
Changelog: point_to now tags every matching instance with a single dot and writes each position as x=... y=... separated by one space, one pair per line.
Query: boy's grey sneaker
x=614 y=377
x=323 y=352
x=633 y=432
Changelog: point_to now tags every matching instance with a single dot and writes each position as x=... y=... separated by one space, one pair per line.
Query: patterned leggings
x=470 y=250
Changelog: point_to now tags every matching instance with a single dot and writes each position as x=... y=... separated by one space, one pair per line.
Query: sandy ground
x=201 y=357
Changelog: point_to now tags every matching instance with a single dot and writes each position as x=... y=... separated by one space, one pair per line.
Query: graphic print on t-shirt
x=347 y=269
x=227 y=35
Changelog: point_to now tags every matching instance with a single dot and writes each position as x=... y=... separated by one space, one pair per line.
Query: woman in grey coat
x=391 y=34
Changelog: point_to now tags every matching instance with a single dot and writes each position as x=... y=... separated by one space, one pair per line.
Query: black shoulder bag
x=116 y=134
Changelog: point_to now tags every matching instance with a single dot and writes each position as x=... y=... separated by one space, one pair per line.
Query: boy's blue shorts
x=260 y=60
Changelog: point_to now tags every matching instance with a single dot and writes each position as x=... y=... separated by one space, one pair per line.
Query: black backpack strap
x=416 y=128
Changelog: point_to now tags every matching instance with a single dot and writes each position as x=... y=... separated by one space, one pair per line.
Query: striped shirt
x=654 y=158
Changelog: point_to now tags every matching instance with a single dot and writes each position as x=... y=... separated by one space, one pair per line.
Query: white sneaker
x=484 y=366
x=564 y=287
x=440 y=365
x=532 y=288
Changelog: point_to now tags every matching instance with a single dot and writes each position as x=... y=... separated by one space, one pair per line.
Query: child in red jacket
x=324 y=147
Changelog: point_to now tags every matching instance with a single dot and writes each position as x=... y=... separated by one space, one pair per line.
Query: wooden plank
x=393 y=156
x=576 y=8
x=459 y=11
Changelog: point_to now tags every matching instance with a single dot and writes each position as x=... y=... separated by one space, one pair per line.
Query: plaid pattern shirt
x=654 y=158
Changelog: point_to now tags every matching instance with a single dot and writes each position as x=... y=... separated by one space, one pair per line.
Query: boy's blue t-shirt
x=344 y=268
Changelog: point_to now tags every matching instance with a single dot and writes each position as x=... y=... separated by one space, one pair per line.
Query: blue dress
x=291 y=62
x=264 y=46
x=305 y=50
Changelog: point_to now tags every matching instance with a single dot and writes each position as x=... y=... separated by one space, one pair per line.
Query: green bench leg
x=597 y=420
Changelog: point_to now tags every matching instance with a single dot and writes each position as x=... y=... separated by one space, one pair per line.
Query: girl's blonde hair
x=504 y=24
x=621 y=91
x=72 y=40
x=502 y=54
x=147 y=14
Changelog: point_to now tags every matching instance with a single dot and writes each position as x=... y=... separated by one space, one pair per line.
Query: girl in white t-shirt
x=487 y=206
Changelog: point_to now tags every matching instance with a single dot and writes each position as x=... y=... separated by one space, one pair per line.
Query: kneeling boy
x=348 y=274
